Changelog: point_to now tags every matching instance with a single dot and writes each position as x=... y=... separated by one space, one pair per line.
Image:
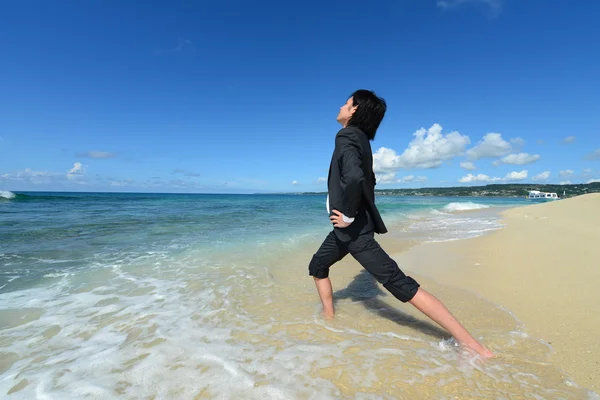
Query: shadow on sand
x=364 y=288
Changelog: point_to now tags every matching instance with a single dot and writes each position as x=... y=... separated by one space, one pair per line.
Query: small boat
x=536 y=195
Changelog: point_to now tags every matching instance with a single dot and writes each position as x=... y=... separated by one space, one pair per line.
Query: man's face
x=346 y=112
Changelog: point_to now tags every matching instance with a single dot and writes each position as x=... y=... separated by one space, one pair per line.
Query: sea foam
x=6 y=195
x=464 y=206
x=182 y=311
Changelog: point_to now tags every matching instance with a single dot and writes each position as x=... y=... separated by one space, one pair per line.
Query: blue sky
x=241 y=96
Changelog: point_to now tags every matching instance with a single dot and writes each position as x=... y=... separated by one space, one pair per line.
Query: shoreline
x=539 y=267
x=251 y=311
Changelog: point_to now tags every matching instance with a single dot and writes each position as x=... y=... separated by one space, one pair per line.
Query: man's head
x=364 y=110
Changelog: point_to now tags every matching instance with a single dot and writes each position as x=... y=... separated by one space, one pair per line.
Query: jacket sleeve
x=352 y=175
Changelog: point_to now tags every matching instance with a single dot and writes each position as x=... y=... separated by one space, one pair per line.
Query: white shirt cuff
x=347 y=219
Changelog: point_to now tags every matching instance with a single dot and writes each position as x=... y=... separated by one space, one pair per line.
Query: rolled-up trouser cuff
x=316 y=269
x=404 y=288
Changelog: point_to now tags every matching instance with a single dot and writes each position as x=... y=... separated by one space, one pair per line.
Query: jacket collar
x=353 y=128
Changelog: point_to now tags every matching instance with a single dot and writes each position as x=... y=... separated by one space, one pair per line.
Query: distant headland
x=492 y=190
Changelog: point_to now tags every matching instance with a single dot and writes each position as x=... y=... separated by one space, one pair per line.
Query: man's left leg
x=330 y=252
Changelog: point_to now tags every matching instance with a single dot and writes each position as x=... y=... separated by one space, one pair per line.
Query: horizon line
x=309 y=192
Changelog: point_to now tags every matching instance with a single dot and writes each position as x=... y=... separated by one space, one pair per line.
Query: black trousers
x=365 y=249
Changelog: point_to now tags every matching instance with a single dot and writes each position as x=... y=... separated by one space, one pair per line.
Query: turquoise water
x=173 y=296
x=49 y=233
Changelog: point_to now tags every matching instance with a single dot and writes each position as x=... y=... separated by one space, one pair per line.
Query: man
x=355 y=219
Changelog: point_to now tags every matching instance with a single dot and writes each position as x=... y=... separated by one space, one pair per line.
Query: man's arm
x=352 y=175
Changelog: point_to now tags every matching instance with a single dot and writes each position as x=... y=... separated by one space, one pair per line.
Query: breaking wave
x=7 y=195
x=465 y=206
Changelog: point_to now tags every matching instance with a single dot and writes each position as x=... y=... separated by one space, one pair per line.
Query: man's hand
x=338 y=220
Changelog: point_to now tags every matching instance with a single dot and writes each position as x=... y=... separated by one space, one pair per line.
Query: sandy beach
x=164 y=305
x=542 y=267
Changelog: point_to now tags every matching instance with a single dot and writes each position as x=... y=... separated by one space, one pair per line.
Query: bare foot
x=479 y=349
x=327 y=316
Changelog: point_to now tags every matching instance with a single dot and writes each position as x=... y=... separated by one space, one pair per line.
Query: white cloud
x=429 y=149
x=390 y=177
x=122 y=182
x=182 y=46
x=75 y=175
x=593 y=181
x=569 y=140
x=493 y=7
x=518 y=142
x=185 y=173
x=477 y=178
x=594 y=155
x=31 y=176
x=566 y=173
x=587 y=171
x=518 y=159
x=97 y=154
x=516 y=176
x=177 y=183
x=542 y=176
x=77 y=168
x=295 y=183
x=30 y=173
x=468 y=165
x=385 y=178
x=512 y=176
x=540 y=141
x=492 y=145
x=321 y=180
x=565 y=183
x=385 y=159
x=412 y=178
x=76 y=172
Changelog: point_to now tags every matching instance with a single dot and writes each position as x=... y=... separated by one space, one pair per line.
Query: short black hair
x=369 y=112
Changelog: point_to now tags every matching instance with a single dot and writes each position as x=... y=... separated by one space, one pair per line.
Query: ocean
x=168 y=296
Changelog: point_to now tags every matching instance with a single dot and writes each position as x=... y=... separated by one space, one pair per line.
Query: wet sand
x=248 y=325
x=544 y=268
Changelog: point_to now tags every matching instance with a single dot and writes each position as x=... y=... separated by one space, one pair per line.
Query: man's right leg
x=374 y=259
x=431 y=306
x=330 y=252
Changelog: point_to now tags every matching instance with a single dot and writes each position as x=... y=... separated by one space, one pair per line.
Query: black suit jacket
x=351 y=183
